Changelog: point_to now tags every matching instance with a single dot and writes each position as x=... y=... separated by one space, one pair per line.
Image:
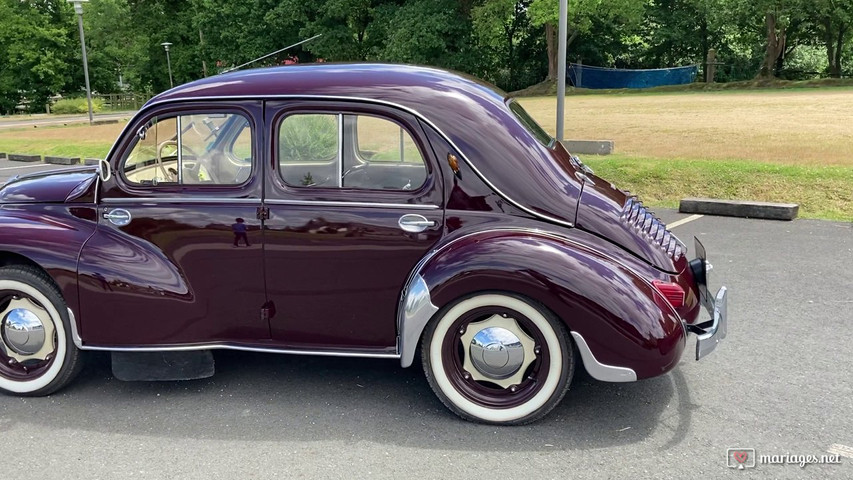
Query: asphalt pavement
x=780 y=384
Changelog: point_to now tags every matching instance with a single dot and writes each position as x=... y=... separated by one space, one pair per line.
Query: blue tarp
x=586 y=76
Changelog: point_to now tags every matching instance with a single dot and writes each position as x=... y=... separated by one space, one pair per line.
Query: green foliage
x=77 y=105
x=502 y=41
x=308 y=138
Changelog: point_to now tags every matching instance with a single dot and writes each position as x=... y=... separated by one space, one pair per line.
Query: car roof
x=473 y=115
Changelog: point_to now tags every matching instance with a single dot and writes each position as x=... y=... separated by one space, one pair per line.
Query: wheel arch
x=608 y=308
x=50 y=238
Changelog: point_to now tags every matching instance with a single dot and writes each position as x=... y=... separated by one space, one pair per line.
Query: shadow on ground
x=281 y=397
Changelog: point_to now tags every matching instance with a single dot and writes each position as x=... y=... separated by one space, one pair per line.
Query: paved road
x=9 y=169
x=43 y=120
x=780 y=383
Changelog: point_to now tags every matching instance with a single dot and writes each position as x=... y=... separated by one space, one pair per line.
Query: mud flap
x=162 y=366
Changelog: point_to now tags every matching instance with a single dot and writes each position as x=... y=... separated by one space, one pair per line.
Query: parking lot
x=781 y=383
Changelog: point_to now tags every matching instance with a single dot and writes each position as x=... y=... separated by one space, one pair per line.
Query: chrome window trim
x=78 y=342
x=365 y=100
x=329 y=203
x=340 y=150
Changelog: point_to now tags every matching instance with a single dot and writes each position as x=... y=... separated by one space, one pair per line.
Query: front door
x=355 y=201
x=177 y=257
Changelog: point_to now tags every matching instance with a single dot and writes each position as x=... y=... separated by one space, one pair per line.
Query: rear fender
x=616 y=312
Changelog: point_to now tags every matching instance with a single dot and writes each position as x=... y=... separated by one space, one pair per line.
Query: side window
x=348 y=151
x=198 y=149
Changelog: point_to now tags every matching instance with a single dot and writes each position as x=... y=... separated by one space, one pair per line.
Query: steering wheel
x=194 y=164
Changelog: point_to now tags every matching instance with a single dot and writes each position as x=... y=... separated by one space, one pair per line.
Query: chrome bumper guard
x=708 y=334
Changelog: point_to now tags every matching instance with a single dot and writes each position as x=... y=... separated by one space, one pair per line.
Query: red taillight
x=672 y=292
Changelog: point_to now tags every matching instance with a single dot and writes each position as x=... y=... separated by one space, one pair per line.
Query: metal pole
x=169 y=63
x=78 y=8
x=561 y=67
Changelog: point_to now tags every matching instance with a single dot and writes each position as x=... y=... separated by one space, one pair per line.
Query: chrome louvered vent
x=650 y=226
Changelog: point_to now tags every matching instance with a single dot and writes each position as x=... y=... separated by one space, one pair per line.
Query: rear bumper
x=709 y=333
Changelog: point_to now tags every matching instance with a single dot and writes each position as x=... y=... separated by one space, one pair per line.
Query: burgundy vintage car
x=366 y=210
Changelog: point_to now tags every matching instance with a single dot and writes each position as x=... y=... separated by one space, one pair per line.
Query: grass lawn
x=768 y=145
x=72 y=141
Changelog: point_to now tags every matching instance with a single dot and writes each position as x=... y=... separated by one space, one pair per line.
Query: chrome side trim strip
x=326 y=203
x=417 y=311
x=78 y=342
x=598 y=370
x=374 y=101
x=194 y=200
x=257 y=201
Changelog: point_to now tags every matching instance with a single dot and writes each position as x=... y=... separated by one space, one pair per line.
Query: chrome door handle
x=118 y=216
x=415 y=223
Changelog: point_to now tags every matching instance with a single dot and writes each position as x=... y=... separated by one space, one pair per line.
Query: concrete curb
x=2 y=155
x=19 y=157
x=590 y=147
x=91 y=161
x=62 y=160
x=738 y=208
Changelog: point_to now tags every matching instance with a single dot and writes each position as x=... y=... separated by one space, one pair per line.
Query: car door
x=177 y=257
x=354 y=201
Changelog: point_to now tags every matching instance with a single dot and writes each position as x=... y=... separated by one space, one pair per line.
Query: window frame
x=173 y=111
x=380 y=112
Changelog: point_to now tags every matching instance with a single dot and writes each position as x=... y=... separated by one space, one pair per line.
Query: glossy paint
x=47 y=187
x=327 y=270
x=609 y=304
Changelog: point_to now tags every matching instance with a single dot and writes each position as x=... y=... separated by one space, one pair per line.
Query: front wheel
x=498 y=358
x=37 y=356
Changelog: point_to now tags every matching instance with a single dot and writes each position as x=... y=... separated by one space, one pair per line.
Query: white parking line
x=26 y=166
x=838 y=449
x=681 y=222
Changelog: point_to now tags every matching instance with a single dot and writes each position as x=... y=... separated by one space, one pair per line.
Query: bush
x=77 y=105
x=307 y=138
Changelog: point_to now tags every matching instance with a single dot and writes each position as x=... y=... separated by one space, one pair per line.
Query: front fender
x=617 y=312
x=51 y=237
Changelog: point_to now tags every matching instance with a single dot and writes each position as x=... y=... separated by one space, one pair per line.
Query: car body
x=358 y=210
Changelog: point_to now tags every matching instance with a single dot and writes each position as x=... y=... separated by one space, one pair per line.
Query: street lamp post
x=166 y=45
x=561 y=67
x=78 y=9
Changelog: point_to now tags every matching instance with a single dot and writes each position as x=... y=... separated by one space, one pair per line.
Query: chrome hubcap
x=26 y=330
x=497 y=350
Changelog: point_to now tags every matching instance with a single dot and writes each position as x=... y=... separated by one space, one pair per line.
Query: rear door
x=355 y=201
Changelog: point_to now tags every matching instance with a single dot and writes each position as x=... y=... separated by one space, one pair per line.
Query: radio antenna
x=273 y=53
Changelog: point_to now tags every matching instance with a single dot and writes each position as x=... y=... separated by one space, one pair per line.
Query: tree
x=34 y=51
x=511 y=47
x=833 y=20
x=581 y=15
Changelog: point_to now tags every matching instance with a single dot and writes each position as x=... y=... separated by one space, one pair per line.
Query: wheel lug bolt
x=12 y=361
x=537 y=350
x=513 y=389
x=462 y=330
x=467 y=376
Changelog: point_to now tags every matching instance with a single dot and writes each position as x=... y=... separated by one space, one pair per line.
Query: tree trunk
x=775 y=45
x=839 y=45
x=551 y=41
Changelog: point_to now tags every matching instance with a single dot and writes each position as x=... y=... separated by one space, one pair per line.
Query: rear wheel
x=498 y=358
x=37 y=356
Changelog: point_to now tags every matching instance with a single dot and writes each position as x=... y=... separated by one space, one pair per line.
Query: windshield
x=538 y=132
